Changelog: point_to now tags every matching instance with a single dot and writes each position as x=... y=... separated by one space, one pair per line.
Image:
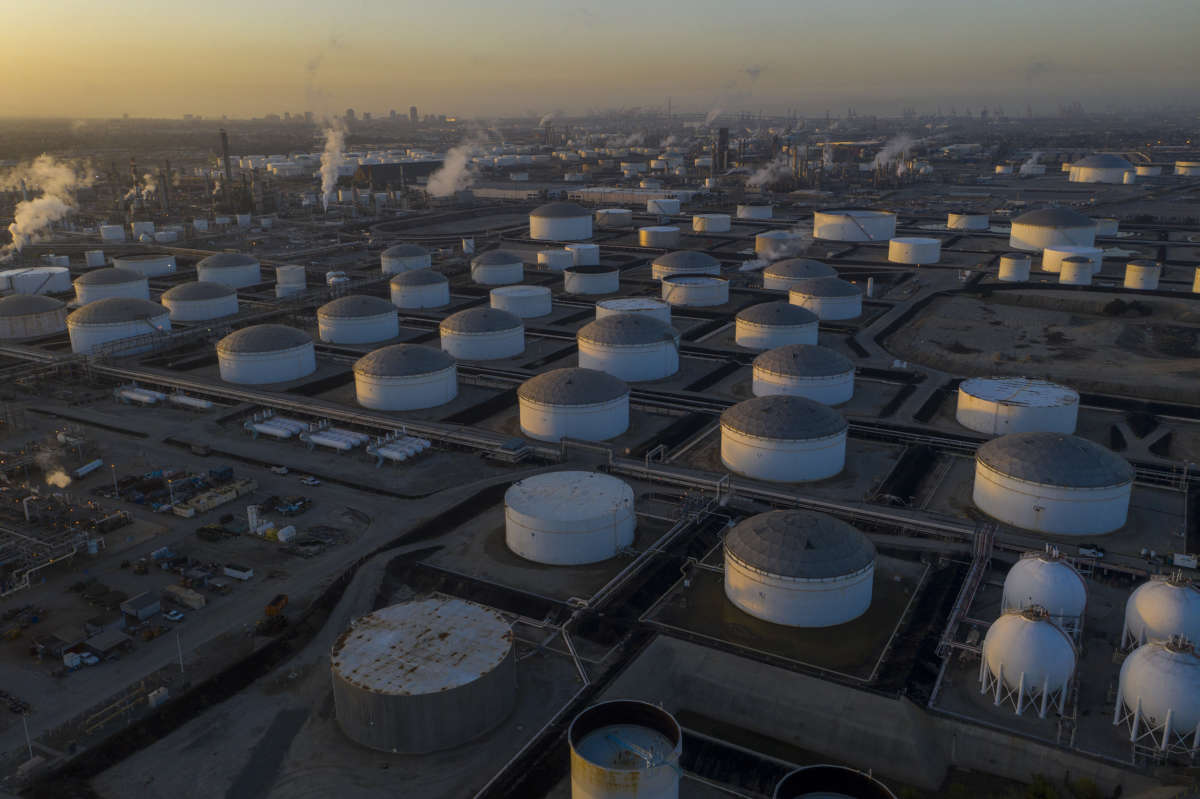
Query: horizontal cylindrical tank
x=266 y=353
x=1034 y=231
x=1075 y=270
x=482 y=334
x=404 y=258
x=854 y=224
x=420 y=288
x=783 y=439
x=497 y=268
x=1014 y=267
x=610 y=218
x=556 y=260
x=711 y=223
x=755 y=211
x=405 y=377
x=967 y=220
x=660 y=236
x=30 y=316
x=199 y=302
x=774 y=324
x=695 y=291
x=1002 y=405
x=523 y=301
x=830 y=298
x=569 y=518
x=111 y=282
x=235 y=270
x=804 y=370
x=357 y=319
x=116 y=319
x=560 y=221
x=1052 y=257
x=826 y=782
x=625 y=749
x=584 y=254
x=656 y=309
x=148 y=265
x=913 y=250
x=40 y=280
x=573 y=403
x=591 y=279
x=629 y=346
x=1142 y=274
x=663 y=206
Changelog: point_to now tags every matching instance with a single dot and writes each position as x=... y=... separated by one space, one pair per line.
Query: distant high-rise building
x=287 y=116
x=392 y=115
x=349 y=114
x=308 y=116
x=412 y=114
x=366 y=116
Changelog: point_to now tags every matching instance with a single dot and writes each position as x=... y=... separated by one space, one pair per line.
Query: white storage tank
x=695 y=291
x=497 y=268
x=1146 y=171
x=523 y=301
x=584 y=254
x=1189 y=169
x=799 y=568
x=755 y=211
x=1046 y=580
x=1028 y=662
x=1052 y=483
x=560 y=221
x=422 y=676
x=556 y=260
x=1075 y=270
x=774 y=324
x=783 y=438
x=610 y=218
x=29 y=316
x=1014 y=267
x=405 y=377
x=804 y=370
x=656 y=309
x=1103 y=168
x=404 y=258
x=482 y=334
x=854 y=224
x=420 y=288
x=290 y=279
x=569 y=518
x=998 y=406
x=830 y=298
x=1161 y=608
x=1142 y=274
x=198 y=301
x=1034 y=231
x=1108 y=226
x=234 y=269
x=663 y=206
x=782 y=275
x=775 y=244
x=1053 y=257
x=629 y=346
x=1004 y=169
x=141 y=227
x=111 y=282
x=112 y=233
x=148 y=265
x=357 y=319
x=573 y=403
x=266 y=354
x=914 y=250
x=116 y=319
x=625 y=749
x=595 y=279
x=39 y=280
x=830 y=782
x=684 y=262
x=967 y=220
x=1158 y=698
x=711 y=223
x=663 y=237
x=93 y=258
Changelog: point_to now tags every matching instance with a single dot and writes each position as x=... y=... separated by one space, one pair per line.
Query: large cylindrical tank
x=266 y=353
x=804 y=370
x=404 y=258
x=112 y=233
x=610 y=218
x=967 y=220
x=799 y=568
x=1045 y=580
x=1034 y=231
x=198 y=301
x=914 y=250
x=854 y=224
x=1189 y=169
x=663 y=237
x=1075 y=270
x=1108 y=226
x=830 y=782
x=234 y=269
x=1102 y=168
x=629 y=346
x=357 y=319
x=482 y=334
x=93 y=258
x=830 y=298
x=1161 y=608
x=405 y=377
x=425 y=675
x=774 y=324
x=290 y=279
x=1014 y=267
x=140 y=227
x=569 y=518
x=523 y=301
x=1147 y=171
x=782 y=275
x=783 y=439
x=116 y=319
x=591 y=279
x=755 y=211
x=663 y=206
x=1142 y=274
x=625 y=749
x=1052 y=483
x=695 y=291
x=497 y=268
x=154 y=265
x=573 y=403
x=556 y=260
x=101 y=283
x=560 y=221
x=1027 y=660
x=29 y=316
x=776 y=244
x=711 y=223
x=1001 y=405
x=1158 y=696
x=584 y=254
x=656 y=309
x=690 y=262
x=39 y=280
x=420 y=288
x=1053 y=257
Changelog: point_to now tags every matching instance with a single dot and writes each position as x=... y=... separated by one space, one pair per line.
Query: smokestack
x=225 y=156
x=164 y=183
x=722 y=161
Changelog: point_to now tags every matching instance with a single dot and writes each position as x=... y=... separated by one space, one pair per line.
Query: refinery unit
x=748 y=457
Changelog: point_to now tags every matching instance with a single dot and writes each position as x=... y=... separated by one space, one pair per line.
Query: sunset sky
x=78 y=58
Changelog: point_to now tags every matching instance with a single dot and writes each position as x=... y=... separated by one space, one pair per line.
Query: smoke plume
x=149 y=185
x=712 y=115
x=332 y=158
x=776 y=170
x=827 y=156
x=58 y=479
x=1028 y=166
x=59 y=182
x=894 y=150
x=456 y=173
x=794 y=247
x=671 y=141
x=548 y=118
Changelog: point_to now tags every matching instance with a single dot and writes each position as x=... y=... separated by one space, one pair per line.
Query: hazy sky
x=80 y=58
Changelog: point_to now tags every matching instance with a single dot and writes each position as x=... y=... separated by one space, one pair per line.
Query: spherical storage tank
x=404 y=258
x=774 y=324
x=266 y=354
x=967 y=220
x=1001 y=405
x=711 y=223
x=425 y=675
x=695 y=291
x=782 y=275
x=234 y=269
x=569 y=518
x=114 y=319
x=26 y=316
x=1052 y=483
x=854 y=224
x=660 y=236
x=1158 y=697
x=420 y=288
x=629 y=346
x=405 y=377
x=1028 y=662
x=561 y=221
x=799 y=568
x=1034 y=231
x=783 y=439
x=1142 y=274
x=829 y=298
x=111 y=282
x=573 y=403
x=482 y=334
x=1045 y=580
x=595 y=279
x=497 y=268
x=625 y=749
x=804 y=370
x=1014 y=267
x=655 y=309
x=682 y=262
x=1161 y=608
x=1102 y=168
x=830 y=782
x=198 y=301
x=148 y=265
x=523 y=301
x=1053 y=258
x=357 y=319
x=1075 y=270
x=914 y=250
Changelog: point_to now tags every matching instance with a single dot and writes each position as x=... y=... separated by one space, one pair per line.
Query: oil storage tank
x=695 y=291
x=1046 y=580
x=38 y=280
x=423 y=676
x=799 y=568
x=830 y=782
x=497 y=268
x=482 y=334
x=1027 y=662
x=804 y=370
x=1075 y=270
x=656 y=309
x=629 y=346
x=783 y=438
x=1160 y=608
x=854 y=224
x=830 y=298
x=29 y=316
x=967 y=220
x=573 y=403
x=914 y=250
x=774 y=324
x=610 y=218
x=1052 y=483
x=1055 y=226
x=684 y=262
x=569 y=518
x=1014 y=267
x=1158 y=698
x=659 y=236
x=234 y=269
x=357 y=319
x=111 y=282
x=711 y=223
x=775 y=244
x=782 y=275
x=115 y=319
x=404 y=258
x=523 y=301
x=1053 y=258
x=150 y=265
x=625 y=749
x=1001 y=405
x=1101 y=168
x=405 y=377
x=1142 y=274
x=560 y=221
x=420 y=288
x=199 y=301
x=584 y=254
x=757 y=211
x=555 y=260
x=266 y=353
x=596 y=279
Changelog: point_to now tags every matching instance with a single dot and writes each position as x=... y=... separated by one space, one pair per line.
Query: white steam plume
x=59 y=182
x=149 y=185
x=548 y=118
x=894 y=150
x=332 y=158
x=456 y=173
x=634 y=139
x=1028 y=166
x=794 y=247
x=827 y=156
x=774 y=171
x=712 y=115
x=671 y=141
x=58 y=479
